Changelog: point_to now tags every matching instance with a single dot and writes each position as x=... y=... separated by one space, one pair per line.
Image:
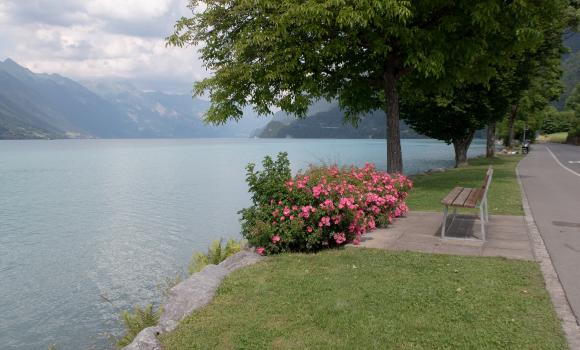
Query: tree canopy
x=454 y=117
x=287 y=54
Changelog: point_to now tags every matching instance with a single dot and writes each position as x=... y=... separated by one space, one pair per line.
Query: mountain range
x=326 y=120
x=52 y=106
x=46 y=106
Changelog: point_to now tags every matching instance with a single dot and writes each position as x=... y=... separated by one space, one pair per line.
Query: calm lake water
x=92 y=227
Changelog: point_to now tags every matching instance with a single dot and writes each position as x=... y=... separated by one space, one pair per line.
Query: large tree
x=535 y=81
x=455 y=116
x=289 y=53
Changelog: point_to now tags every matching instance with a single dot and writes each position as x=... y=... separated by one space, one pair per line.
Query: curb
x=553 y=284
x=192 y=294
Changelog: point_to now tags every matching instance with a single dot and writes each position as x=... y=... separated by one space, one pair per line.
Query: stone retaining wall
x=193 y=293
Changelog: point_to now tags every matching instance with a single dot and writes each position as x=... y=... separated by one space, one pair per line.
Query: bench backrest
x=486 y=182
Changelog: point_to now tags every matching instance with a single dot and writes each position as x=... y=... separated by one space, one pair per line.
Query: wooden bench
x=462 y=197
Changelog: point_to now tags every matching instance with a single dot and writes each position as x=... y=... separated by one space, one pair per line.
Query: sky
x=100 y=40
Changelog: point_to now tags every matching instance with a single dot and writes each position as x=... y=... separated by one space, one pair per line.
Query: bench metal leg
x=445 y=211
x=486 y=211
x=482 y=220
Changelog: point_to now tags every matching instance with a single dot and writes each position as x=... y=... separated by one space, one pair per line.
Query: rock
x=146 y=340
x=239 y=260
x=193 y=293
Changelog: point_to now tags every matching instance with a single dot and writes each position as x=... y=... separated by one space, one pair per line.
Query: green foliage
x=320 y=208
x=269 y=183
x=454 y=116
x=136 y=321
x=216 y=253
x=555 y=121
x=449 y=116
x=573 y=101
x=570 y=77
x=288 y=54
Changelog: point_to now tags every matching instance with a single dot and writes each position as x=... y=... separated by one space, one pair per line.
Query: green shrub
x=136 y=321
x=322 y=207
x=215 y=255
x=555 y=121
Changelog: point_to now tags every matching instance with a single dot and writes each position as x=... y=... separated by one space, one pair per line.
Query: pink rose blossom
x=260 y=250
x=275 y=239
x=286 y=211
x=339 y=238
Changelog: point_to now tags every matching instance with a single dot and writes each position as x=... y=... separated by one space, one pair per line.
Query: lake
x=92 y=227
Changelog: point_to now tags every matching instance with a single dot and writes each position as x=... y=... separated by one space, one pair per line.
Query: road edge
x=553 y=284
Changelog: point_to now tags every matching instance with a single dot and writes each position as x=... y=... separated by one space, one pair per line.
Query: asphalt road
x=552 y=185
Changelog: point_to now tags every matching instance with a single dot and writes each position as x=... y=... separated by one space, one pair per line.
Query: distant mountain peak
x=13 y=68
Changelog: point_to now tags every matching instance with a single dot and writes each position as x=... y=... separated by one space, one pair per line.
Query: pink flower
x=325 y=221
x=317 y=190
x=339 y=238
x=286 y=211
x=327 y=205
x=291 y=217
x=309 y=229
x=260 y=250
x=305 y=211
x=275 y=239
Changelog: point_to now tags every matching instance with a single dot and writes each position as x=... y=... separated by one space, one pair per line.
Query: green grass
x=504 y=193
x=372 y=299
x=559 y=137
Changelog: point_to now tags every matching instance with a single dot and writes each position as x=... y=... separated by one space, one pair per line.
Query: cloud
x=129 y=10
x=99 y=39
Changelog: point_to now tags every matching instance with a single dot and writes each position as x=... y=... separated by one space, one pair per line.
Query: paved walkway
x=552 y=185
x=507 y=236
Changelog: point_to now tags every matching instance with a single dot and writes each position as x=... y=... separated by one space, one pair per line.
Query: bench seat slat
x=473 y=198
x=448 y=200
x=462 y=197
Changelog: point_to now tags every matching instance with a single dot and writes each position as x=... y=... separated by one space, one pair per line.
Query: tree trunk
x=490 y=147
x=394 y=154
x=511 y=120
x=461 y=145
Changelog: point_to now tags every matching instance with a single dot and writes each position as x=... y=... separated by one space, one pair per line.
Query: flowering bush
x=321 y=207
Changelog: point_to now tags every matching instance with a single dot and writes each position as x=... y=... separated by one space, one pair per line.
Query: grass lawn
x=504 y=193
x=559 y=137
x=364 y=299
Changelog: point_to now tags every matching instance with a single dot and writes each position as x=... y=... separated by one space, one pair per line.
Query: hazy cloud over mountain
x=100 y=39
